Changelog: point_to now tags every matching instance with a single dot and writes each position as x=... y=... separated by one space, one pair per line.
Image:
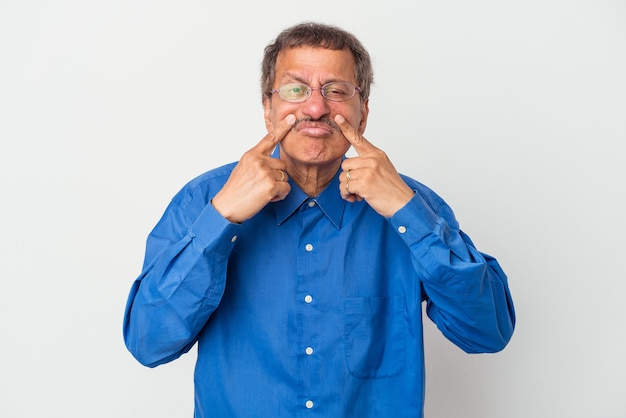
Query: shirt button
x=402 y=229
x=312 y=203
x=309 y=404
x=308 y=351
x=308 y=298
x=234 y=238
x=309 y=247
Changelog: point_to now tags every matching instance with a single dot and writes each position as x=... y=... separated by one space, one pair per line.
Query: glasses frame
x=321 y=89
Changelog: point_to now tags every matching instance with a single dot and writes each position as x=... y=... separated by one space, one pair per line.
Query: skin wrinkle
x=359 y=293
x=305 y=174
x=312 y=158
x=313 y=178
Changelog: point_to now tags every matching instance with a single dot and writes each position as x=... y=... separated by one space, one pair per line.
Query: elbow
x=492 y=346
x=479 y=336
x=483 y=346
x=153 y=343
x=490 y=341
x=142 y=350
x=151 y=352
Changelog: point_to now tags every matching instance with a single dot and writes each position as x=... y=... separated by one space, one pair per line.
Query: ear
x=267 y=108
x=365 y=110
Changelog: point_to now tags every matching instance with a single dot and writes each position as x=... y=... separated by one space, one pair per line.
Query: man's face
x=312 y=141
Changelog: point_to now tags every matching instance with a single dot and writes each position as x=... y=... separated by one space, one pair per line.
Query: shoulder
x=209 y=178
x=432 y=198
x=202 y=188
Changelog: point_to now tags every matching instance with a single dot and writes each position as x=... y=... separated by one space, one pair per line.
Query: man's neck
x=313 y=179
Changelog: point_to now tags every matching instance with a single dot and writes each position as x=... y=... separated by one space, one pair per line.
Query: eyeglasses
x=337 y=91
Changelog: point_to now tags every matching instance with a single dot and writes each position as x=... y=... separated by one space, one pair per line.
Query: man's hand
x=371 y=175
x=256 y=180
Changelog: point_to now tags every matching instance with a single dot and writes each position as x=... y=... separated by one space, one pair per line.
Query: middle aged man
x=301 y=273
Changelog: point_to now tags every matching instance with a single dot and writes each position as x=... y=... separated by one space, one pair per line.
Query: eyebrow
x=292 y=77
x=295 y=78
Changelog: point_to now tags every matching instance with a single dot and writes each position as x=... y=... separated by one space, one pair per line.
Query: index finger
x=276 y=135
x=358 y=142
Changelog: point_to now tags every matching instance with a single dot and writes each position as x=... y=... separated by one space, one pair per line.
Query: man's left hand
x=371 y=175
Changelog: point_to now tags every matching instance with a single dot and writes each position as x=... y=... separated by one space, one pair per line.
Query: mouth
x=316 y=128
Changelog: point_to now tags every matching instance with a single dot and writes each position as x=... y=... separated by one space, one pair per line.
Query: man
x=301 y=273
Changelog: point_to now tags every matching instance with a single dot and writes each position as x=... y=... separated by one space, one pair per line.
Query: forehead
x=315 y=64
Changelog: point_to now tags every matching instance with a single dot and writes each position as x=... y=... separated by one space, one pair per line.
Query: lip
x=317 y=129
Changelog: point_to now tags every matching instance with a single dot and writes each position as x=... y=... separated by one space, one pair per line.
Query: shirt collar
x=329 y=201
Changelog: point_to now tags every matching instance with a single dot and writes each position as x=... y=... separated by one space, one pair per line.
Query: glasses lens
x=294 y=92
x=338 y=92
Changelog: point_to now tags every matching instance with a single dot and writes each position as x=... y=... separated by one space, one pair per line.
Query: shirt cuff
x=213 y=231
x=415 y=220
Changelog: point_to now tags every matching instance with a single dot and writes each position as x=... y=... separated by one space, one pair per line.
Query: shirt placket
x=309 y=323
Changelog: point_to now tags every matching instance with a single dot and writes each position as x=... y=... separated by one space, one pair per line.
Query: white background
x=513 y=111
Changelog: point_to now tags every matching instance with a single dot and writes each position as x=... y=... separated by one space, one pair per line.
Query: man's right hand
x=256 y=180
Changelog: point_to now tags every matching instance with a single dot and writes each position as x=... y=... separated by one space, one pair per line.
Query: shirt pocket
x=374 y=336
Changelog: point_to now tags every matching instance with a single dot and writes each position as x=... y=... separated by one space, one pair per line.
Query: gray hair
x=317 y=35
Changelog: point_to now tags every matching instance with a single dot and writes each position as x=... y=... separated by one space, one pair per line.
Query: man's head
x=323 y=36
x=315 y=72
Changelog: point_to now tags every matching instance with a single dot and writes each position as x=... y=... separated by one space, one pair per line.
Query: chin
x=313 y=149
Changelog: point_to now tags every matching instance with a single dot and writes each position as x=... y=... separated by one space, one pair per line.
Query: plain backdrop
x=513 y=111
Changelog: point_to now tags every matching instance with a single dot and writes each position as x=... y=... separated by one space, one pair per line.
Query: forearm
x=470 y=302
x=467 y=291
x=178 y=291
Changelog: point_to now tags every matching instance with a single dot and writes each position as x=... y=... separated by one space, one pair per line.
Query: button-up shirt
x=313 y=307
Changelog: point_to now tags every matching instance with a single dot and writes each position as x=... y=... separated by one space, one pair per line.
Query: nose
x=315 y=106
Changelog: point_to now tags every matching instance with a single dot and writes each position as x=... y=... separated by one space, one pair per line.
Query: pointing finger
x=277 y=134
x=359 y=143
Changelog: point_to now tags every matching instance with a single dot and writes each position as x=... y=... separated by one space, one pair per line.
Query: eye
x=294 y=91
x=338 y=91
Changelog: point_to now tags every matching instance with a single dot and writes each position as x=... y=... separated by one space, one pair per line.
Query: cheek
x=274 y=113
x=345 y=148
x=354 y=115
x=338 y=146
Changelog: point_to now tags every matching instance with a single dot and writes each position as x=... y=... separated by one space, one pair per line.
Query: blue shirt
x=313 y=307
